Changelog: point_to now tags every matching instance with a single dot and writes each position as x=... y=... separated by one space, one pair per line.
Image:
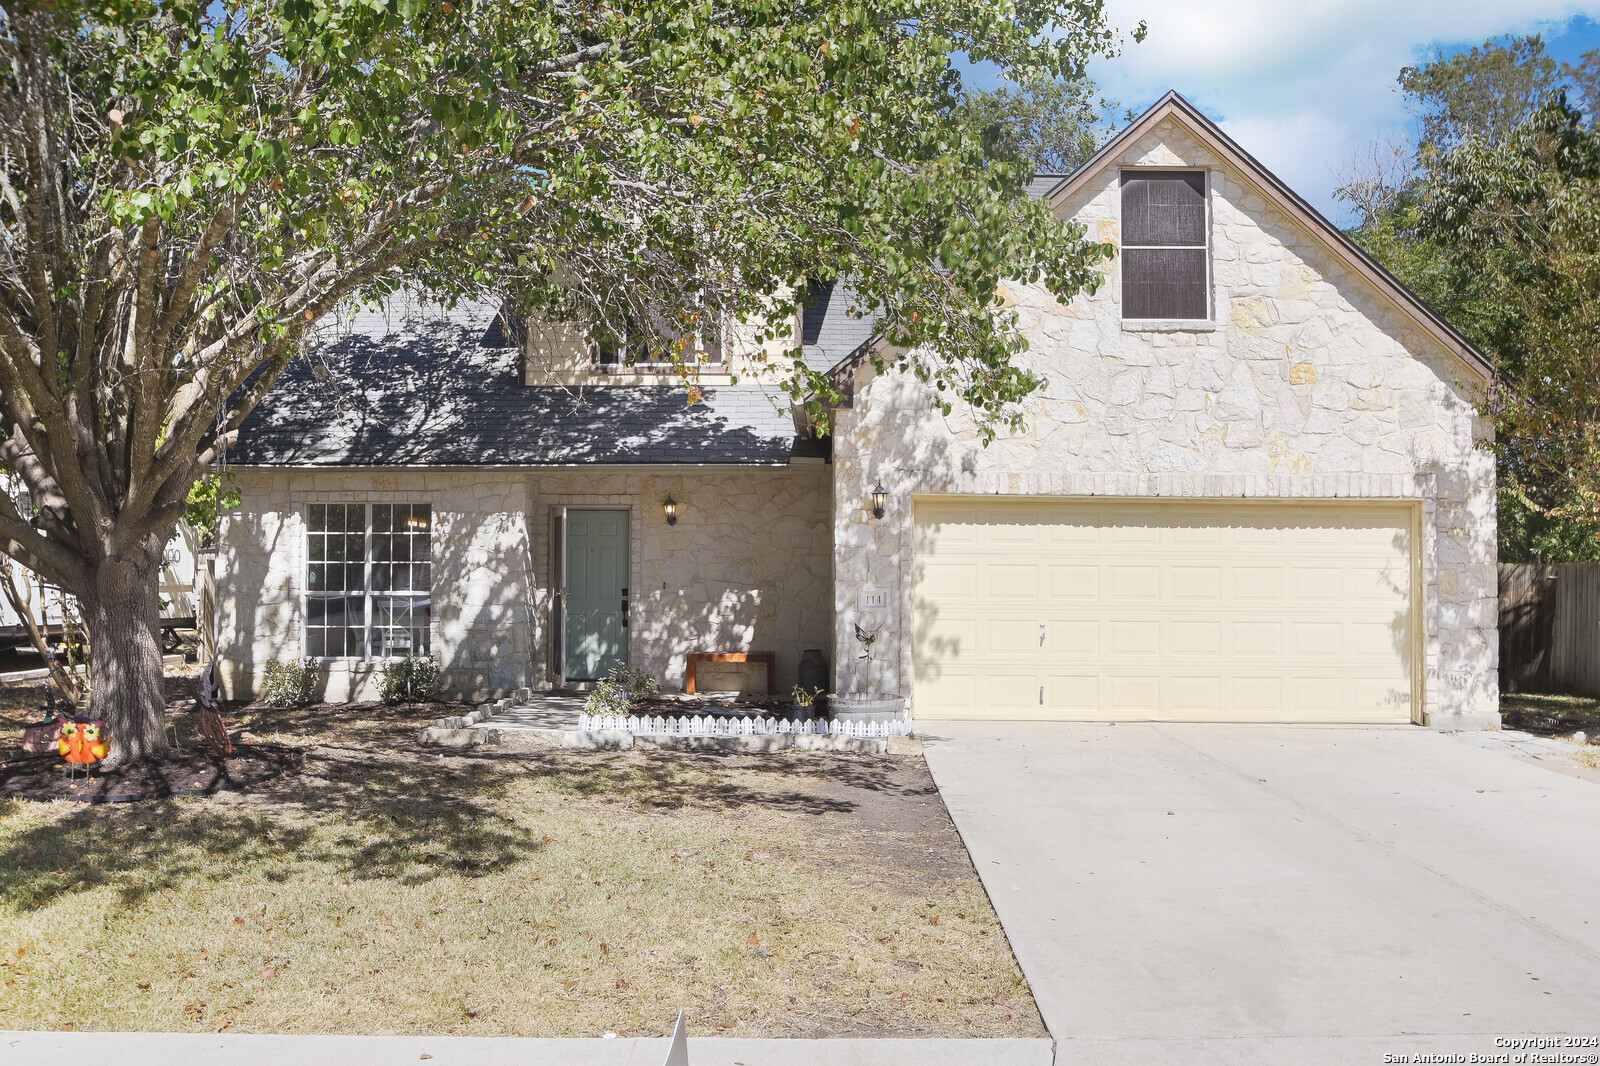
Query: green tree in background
x=188 y=186
x=1055 y=123
x=1493 y=217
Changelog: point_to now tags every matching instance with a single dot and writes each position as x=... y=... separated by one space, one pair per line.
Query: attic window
x=1166 y=261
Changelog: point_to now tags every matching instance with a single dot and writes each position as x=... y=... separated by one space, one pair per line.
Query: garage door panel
x=1068 y=583
x=1257 y=639
x=1072 y=693
x=1317 y=640
x=1013 y=581
x=1259 y=584
x=1201 y=695
x=1257 y=697
x=1135 y=695
x=1008 y=637
x=1142 y=638
x=950 y=582
x=1072 y=638
x=1136 y=582
x=1195 y=638
x=1173 y=611
x=1202 y=583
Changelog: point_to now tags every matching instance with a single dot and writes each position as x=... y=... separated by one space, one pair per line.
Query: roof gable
x=1173 y=107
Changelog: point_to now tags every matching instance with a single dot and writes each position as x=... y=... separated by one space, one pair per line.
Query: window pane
x=421 y=519
x=383 y=517
x=332 y=577
x=383 y=546
x=1163 y=207
x=381 y=576
x=317 y=642
x=316 y=611
x=419 y=578
x=317 y=518
x=1164 y=283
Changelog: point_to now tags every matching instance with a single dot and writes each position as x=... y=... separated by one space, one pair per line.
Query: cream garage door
x=1163 y=610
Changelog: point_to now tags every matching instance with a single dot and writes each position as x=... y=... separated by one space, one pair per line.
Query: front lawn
x=386 y=888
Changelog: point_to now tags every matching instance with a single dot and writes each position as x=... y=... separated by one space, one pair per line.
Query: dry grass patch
x=1556 y=716
x=566 y=894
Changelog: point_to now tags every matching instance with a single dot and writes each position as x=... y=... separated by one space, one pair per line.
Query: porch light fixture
x=671 y=509
x=880 y=496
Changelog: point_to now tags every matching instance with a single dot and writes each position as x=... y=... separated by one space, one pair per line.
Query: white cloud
x=1304 y=87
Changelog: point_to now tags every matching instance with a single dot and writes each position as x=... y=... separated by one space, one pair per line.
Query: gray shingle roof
x=829 y=332
x=416 y=385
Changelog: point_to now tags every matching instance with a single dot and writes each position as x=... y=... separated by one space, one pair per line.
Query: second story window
x=642 y=349
x=1166 y=258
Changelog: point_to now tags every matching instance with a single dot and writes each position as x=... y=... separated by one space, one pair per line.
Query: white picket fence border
x=713 y=725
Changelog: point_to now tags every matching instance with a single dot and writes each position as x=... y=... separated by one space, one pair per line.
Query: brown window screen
x=1164 y=253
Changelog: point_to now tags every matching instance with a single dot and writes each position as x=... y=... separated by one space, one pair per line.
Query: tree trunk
x=127 y=685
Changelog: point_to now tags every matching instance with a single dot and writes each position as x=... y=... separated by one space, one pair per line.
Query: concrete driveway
x=1276 y=894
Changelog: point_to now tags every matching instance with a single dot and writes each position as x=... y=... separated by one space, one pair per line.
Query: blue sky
x=1305 y=87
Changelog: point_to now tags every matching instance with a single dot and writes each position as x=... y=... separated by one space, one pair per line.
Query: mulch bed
x=681 y=705
x=178 y=772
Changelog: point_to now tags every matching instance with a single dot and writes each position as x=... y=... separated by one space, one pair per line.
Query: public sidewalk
x=228 y=1049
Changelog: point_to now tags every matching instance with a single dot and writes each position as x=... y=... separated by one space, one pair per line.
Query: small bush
x=290 y=684
x=621 y=686
x=410 y=680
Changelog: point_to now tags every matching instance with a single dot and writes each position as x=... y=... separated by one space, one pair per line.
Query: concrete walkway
x=185 y=1049
x=1307 y=895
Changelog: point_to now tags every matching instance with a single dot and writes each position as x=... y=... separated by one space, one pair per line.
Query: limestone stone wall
x=1307 y=383
x=482 y=590
x=747 y=567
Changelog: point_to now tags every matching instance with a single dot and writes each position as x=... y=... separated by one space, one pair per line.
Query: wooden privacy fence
x=1550 y=628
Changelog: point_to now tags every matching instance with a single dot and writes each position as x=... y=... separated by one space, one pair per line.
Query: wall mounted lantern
x=671 y=509
x=880 y=496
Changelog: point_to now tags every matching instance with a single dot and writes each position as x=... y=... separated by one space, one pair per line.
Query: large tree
x=1490 y=215
x=188 y=186
x=1055 y=123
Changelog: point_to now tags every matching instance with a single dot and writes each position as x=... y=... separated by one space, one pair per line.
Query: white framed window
x=639 y=350
x=369 y=580
x=1166 y=246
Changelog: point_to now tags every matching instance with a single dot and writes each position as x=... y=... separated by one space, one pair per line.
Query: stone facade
x=1309 y=382
x=747 y=567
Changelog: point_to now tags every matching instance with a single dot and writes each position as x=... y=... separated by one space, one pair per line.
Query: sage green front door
x=597 y=593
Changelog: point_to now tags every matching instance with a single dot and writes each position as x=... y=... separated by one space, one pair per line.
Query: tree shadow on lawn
x=363 y=818
x=675 y=780
x=380 y=813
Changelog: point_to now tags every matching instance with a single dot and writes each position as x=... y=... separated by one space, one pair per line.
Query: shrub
x=290 y=684
x=619 y=688
x=409 y=680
